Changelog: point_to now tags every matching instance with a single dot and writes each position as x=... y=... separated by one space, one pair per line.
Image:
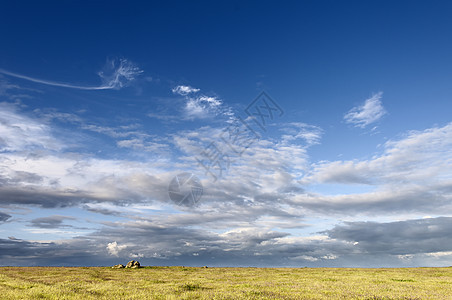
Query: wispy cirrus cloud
x=116 y=74
x=184 y=90
x=371 y=111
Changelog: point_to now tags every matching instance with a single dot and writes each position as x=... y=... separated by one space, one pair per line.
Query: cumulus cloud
x=371 y=111
x=116 y=74
x=114 y=249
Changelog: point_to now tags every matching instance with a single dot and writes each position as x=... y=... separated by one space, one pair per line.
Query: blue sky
x=102 y=104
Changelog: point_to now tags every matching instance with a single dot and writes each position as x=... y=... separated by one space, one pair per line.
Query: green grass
x=224 y=283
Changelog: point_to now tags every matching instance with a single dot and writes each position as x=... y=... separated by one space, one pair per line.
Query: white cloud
x=305 y=257
x=136 y=255
x=202 y=107
x=420 y=157
x=371 y=111
x=184 y=90
x=19 y=132
x=114 y=249
x=413 y=174
x=440 y=254
x=142 y=145
x=310 y=134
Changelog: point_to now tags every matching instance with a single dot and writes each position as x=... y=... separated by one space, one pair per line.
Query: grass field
x=224 y=283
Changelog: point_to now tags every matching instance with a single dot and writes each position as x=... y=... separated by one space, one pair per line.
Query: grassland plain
x=224 y=283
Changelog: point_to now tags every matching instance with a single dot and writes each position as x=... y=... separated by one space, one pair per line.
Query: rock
x=120 y=266
x=205 y=267
x=133 y=264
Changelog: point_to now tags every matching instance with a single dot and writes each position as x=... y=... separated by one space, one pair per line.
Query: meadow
x=224 y=283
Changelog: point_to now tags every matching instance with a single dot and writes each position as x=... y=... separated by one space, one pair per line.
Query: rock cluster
x=133 y=264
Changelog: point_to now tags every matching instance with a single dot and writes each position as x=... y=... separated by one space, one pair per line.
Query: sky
x=226 y=133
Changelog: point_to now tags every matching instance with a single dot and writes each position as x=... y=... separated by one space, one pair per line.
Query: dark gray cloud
x=101 y=210
x=51 y=222
x=20 y=177
x=398 y=238
x=4 y=217
x=405 y=199
x=46 y=198
x=360 y=244
x=17 y=252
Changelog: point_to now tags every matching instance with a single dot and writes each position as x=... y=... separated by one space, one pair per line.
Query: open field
x=224 y=283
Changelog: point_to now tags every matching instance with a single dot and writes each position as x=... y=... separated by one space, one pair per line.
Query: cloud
x=69 y=252
x=412 y=174
x=200 y=106
x=20 y=132
x=310 y=134
x=51 y=222
x=116 y=74
x=197 y=238
x=113 y=248
x=256 y=214
x=5 y=86
x=371 y=111
x=418 y=157
x=45 y=197
x=4 y=217
x=419 y=236
x=142 y=145
x=184 y=90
